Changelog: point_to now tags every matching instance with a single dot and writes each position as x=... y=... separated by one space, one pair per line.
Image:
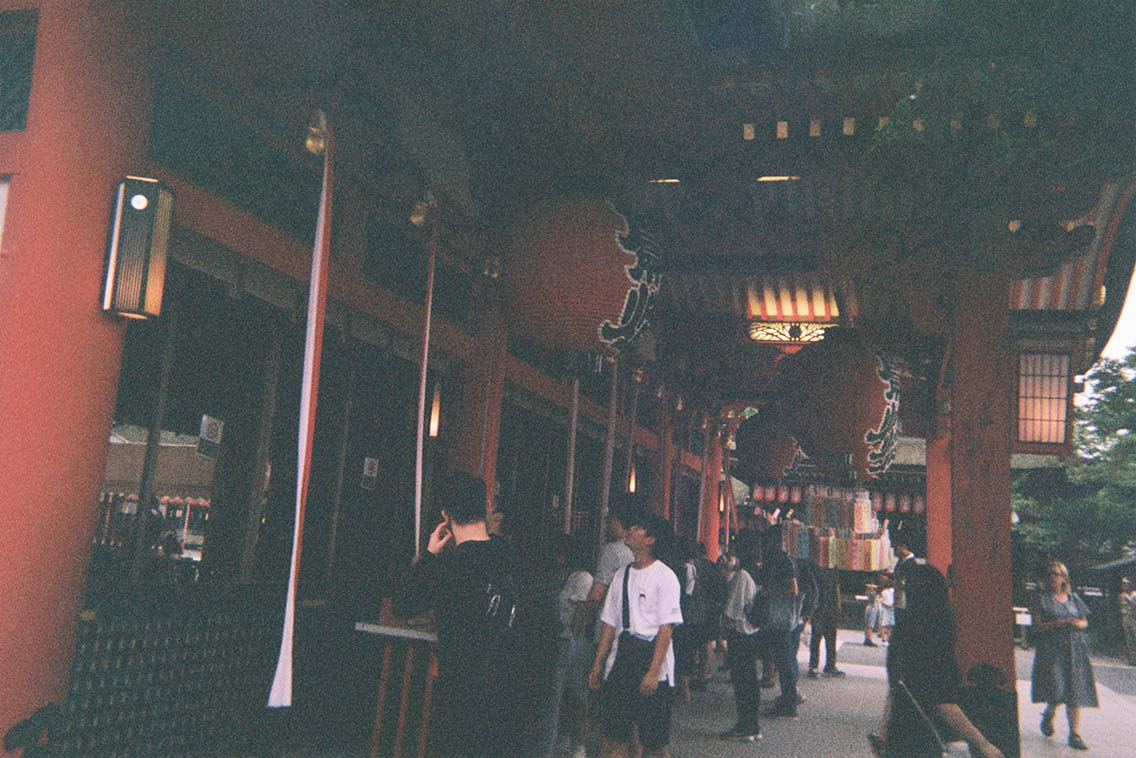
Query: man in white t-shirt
x=637 y=691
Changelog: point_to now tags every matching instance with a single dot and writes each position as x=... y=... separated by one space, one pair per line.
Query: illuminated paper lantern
x=889 y=501
x=905 y=503
x=919 y=505
x=578 y=276
x=877 y=502
x=840 y=401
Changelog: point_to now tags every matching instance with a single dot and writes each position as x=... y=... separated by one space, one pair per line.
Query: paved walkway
x=839 y=712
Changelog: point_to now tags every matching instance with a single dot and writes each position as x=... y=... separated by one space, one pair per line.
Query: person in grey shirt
x=614 y=555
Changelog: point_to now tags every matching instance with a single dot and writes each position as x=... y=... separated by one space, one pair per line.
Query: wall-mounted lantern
x=1043 y=403
x=137 y=245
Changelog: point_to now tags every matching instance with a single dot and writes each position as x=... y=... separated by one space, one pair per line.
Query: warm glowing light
x=663 y=181
x=748 y=132
x=436 y=410
x=778 y=178
x=1014 y=226
x=631 y=479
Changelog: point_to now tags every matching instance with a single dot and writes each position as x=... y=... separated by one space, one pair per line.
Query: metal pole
x=570 y=466
x=433 y=245
x=702 y=479
x=153 y=445
x=609 y=450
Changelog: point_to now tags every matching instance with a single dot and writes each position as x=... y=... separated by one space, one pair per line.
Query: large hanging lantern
x=579 y=276
x=840 y=400
x=766 y=450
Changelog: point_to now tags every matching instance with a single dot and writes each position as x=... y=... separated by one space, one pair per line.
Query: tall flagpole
x=319 y=140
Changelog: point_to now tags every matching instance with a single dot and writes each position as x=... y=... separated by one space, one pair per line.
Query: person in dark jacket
x=921 y=662
x=825 y=617
x=451 y=578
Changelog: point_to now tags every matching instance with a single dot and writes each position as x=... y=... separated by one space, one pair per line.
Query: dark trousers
x=824 y=625
x=741 y=659
x=783 y=647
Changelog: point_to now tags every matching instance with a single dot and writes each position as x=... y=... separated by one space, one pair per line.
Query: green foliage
x=1085 y=511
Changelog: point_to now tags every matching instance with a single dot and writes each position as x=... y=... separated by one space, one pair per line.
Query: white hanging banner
x=281 y=694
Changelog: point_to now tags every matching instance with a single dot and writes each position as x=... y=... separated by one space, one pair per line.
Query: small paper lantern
x=795 y=495
x=783 y=494
x=919 y=505
x=905 y=503
x=841 y=402
x=877 y=502
x=770 y=494
x=889 y=502
x=578 y=276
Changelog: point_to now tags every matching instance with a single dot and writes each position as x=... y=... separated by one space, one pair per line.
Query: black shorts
x=624 y=707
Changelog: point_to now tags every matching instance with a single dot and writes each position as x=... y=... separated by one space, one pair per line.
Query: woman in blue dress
x=1062 y=672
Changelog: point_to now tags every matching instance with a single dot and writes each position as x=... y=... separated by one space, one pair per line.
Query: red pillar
x=939 y=497
x=59 y=355
x=475 y=432
x=712 y=473
x=661 y=498
x=980 y=472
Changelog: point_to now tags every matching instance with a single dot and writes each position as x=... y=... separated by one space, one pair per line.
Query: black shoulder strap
x=626 y=602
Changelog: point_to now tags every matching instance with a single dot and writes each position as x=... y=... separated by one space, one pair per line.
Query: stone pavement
x=839 y=712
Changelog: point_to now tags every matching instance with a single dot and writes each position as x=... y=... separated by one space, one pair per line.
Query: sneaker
x=580 y=752
x=813 y=674
x=869 y=643
x=745 y=734
x=779 y=711
x=834 y=673
x=1047 y=723
x=1076 y=742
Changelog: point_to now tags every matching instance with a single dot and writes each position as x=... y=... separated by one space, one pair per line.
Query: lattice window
x=17 y=52
x=1043 y=397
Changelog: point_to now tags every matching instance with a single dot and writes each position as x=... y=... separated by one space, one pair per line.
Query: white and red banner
x=281 y=693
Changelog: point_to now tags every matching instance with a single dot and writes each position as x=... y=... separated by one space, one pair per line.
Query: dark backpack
x=521 y=624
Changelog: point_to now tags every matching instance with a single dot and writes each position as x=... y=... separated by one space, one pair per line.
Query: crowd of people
x=622 y=643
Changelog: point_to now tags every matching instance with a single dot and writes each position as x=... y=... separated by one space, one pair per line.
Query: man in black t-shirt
x=451 y=578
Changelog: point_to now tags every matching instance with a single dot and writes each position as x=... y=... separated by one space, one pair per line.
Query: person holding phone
x=450 y=579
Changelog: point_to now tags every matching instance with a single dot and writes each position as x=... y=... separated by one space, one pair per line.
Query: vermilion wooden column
x=980 y=472
x=59 y=355
x=474 y=430
x=939 y=498
x=968 y=493
x=712 y=471
x=661 y=498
